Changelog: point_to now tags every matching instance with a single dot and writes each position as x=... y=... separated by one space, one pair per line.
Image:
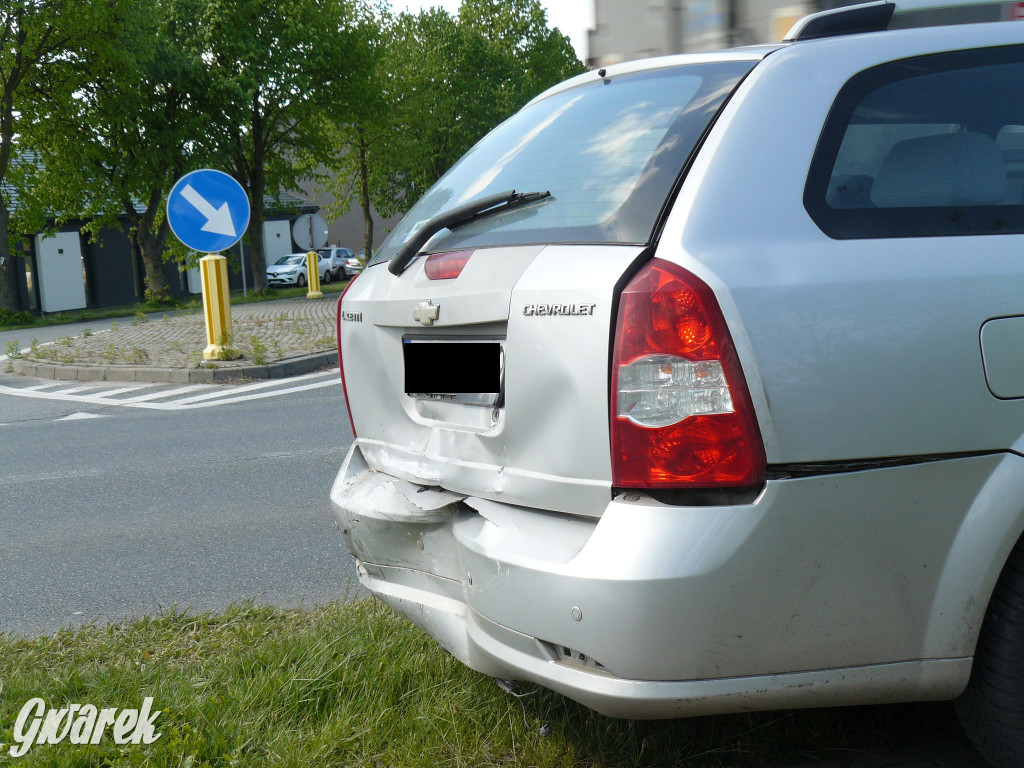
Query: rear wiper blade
x=474 y=209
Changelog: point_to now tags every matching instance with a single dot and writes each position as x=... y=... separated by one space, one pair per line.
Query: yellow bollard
x=313 y=273
x=217 y=308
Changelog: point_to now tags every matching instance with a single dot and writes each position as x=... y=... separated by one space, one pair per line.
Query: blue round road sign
x=208 y=210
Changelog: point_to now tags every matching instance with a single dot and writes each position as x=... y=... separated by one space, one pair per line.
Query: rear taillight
x=681 y=412
x=446 y=266
x=341 y=362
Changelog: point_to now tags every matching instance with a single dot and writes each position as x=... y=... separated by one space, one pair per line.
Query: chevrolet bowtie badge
x=426 y=312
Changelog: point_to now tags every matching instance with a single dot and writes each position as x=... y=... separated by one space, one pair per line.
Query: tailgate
x=543 y=442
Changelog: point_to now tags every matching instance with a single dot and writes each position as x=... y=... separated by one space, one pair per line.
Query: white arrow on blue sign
x=208 y=210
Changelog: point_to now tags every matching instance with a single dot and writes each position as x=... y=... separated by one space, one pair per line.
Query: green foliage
x=14 y=317
x=110 y=149
x=438 y=84
x=257 y=350
x=274 y=74
x=136 y=92
x=157 y=300
x=44 y=46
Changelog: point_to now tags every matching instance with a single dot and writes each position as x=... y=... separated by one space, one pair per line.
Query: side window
x=924 y=147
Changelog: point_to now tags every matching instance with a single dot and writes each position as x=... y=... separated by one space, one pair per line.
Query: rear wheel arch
x=991 y=531
x=991 y=709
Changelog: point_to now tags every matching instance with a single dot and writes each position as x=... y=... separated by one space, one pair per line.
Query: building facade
x=639 y=29
x=626 y=30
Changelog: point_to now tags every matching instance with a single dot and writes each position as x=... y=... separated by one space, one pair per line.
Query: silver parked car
x=343 y=262
x=697 y=386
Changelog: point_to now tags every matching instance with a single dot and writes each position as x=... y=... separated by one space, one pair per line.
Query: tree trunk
x=150 y=246
x=258 y=179
x=6 y=141
x=6 y=262
x=258 y=260
x=364 y=195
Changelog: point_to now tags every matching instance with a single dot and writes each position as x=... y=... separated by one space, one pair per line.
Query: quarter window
x=924 y=147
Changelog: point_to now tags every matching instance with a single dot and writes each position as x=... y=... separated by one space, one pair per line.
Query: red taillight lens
x=341 y=362
x=681 y=415
x=446 y=266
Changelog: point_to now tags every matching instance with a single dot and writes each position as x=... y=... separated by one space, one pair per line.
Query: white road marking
x=113 y=392
x=44 y=386
x=78 y=416
x=76 y=390
x=250 y=387
x=223 y=395
x=259 y=395
x=163 y=393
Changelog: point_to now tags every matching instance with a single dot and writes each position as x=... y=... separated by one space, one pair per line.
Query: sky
x=572 y=17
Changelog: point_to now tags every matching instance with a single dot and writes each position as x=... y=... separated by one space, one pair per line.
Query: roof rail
x=870 y=17
x=848 y=20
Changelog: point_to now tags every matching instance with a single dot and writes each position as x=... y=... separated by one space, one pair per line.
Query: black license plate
x=460 y=371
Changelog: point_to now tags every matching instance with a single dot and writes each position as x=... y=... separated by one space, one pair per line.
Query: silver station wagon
x=697 y=386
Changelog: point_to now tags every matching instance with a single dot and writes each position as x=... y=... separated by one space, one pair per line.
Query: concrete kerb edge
x=282 y=369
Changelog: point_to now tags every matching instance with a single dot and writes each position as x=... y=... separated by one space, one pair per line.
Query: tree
x=363 y=132
x=43 y=46
x=438 y=84
x=112 y=148
x=274 y=72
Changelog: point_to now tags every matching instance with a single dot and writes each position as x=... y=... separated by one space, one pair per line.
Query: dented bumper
x=658 y=611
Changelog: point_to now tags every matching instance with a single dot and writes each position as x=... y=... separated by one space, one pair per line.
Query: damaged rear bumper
x=650 y=611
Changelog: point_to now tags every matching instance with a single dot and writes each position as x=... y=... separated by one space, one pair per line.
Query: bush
x=14 y=317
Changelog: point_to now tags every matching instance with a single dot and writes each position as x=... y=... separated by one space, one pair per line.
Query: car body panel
x=514 y=454
x=805 y=302
x=776 y=585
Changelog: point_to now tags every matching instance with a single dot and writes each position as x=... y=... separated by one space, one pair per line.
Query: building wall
x=111 y=271
x=632 y=30
x=348 y=229
x=628 y=30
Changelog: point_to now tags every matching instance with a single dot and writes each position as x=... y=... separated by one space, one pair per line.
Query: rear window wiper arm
x=474 y=209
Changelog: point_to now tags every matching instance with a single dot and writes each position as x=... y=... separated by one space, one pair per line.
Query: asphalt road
x=120 y=511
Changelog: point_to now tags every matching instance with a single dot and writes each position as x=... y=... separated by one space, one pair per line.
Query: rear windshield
x=608 y=151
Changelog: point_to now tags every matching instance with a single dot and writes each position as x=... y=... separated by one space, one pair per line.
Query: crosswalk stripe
x=113 y=392
x=165 y=393
x=251 y=387
x=257 y=395
x=170 y=399
x=76 y=390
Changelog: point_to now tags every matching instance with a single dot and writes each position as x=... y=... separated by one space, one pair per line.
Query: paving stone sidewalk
x=275 y=338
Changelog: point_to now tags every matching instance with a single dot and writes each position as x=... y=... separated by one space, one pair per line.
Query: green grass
x=184 y=304
x=352 y=684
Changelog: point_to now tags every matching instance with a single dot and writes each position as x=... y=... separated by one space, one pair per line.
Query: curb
x=282 y=369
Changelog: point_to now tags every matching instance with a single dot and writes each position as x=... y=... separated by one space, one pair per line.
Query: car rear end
x=594 y=445
x=510 y=388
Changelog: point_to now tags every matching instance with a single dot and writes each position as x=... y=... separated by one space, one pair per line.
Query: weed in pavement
x=257 y=350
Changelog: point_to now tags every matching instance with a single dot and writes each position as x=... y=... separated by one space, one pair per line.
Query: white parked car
x=697 y=385
x=292 y=270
